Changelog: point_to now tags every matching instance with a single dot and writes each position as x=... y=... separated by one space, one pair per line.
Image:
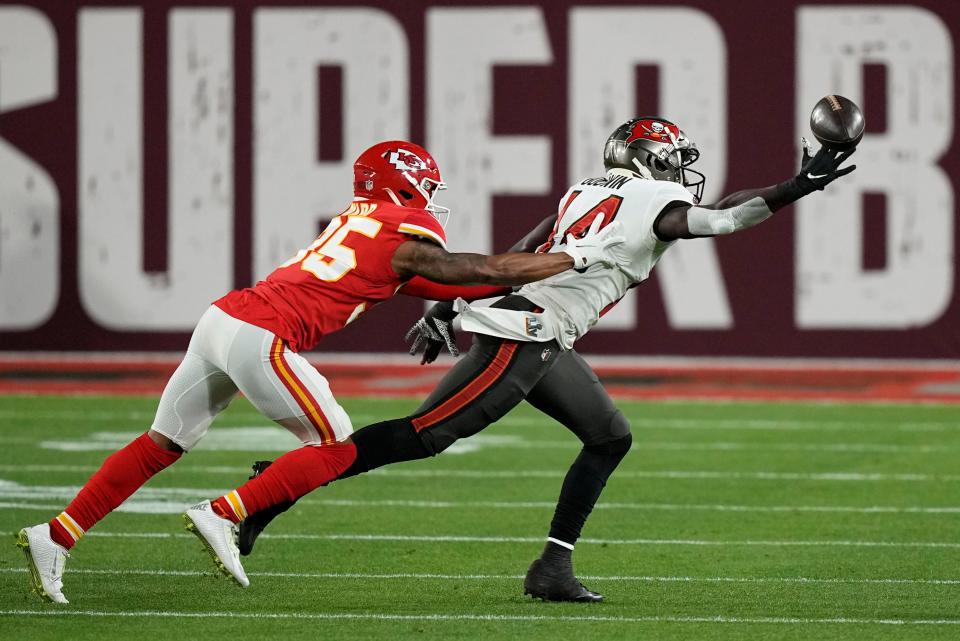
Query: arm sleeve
x=745 y=209
x=426 y=289
x=715 y=222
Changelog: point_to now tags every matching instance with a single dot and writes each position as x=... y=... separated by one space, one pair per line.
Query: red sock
x=291 y=476
x=121 y=475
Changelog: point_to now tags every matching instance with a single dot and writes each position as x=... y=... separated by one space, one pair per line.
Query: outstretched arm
x=423 y=288
x=422 y=258
x=747 y=208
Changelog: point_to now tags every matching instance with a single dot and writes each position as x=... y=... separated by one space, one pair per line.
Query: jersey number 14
x=608 y=207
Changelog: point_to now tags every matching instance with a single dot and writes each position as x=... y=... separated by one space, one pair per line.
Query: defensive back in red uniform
x=344 y=272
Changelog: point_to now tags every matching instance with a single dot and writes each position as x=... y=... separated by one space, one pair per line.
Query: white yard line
x=86 y=469
x=673 y=507
x=513 y=577
x=551 y=474
x=453 y=538
x=694 y=542
x=675 y=474
x=77 y=415
x=378 y=616
x=768 y=424
x=273 y=448
x=637 y=420
x=878 y=448
x=16 y=505
x=548 y=505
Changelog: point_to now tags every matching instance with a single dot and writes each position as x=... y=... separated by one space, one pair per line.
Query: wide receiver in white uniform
x=523 y=344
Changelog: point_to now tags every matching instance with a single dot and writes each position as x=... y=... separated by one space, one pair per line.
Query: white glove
x=597 y=245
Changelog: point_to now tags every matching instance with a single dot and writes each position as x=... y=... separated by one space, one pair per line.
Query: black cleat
x=553 y=581
x=253 y=525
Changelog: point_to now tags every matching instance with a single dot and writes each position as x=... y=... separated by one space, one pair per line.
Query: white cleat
x=218 y=536
x=45 y=559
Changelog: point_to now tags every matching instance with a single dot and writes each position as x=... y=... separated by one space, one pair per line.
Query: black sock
x=383 y=443
x=556 y=554
x=582 y=487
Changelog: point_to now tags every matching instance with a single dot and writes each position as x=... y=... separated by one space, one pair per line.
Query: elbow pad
x=715 y=222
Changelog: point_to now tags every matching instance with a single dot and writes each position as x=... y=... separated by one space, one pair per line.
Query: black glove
x=816 y=172
x=433 y=331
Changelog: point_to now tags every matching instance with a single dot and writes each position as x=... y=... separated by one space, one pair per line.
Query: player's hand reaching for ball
x=821 y=169
x=604 y=246
x=433 y=332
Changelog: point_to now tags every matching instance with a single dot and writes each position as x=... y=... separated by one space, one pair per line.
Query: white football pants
x=227 y=355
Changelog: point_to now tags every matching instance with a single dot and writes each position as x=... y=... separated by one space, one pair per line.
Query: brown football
x=837 y=122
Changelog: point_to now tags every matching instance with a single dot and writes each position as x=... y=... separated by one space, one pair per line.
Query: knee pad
x=622 y=445
x=437 y=439
x=615 y=449
x=619 y=427
x=616 y=435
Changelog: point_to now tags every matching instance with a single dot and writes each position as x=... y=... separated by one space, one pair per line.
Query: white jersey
x=574 y=301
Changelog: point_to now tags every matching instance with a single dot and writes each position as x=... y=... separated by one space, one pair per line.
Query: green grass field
x=726 y=521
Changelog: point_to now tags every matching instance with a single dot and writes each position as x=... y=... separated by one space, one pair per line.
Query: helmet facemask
x=428 y=188
x=682 y=153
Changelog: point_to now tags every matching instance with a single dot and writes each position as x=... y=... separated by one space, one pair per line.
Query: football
x=837 y=122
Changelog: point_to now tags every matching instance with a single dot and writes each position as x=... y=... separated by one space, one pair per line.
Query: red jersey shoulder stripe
x=417 y=230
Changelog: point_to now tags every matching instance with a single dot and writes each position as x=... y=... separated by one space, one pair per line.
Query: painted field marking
x=226 y=438
x=93 y=415
x=513 y=577
x=613 y=505
x=452 y=538
x=675 y=474
x=171 y=500
x=552 y=474
x=135 y=415
x=86 y=469
x=376 y=616
x=724 y=446
x=694 y=542
x=172 y=507
x=268 y=439
x=787 y=425
x=14 y=490
x=636 y=420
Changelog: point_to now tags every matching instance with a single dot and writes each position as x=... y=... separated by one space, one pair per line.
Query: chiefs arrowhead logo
x=405 y=160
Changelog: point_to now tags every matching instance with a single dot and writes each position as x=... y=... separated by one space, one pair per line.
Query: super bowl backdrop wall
x=155 y=155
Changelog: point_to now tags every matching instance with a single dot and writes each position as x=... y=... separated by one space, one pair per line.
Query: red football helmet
x=401 y=172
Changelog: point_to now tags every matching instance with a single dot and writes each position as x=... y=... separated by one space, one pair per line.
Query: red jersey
x=343 y=273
